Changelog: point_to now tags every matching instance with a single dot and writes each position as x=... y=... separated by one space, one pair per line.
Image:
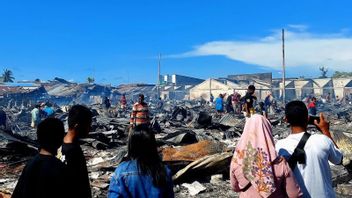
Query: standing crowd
x=297 y=166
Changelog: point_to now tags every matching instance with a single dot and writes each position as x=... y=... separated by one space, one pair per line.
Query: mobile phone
x=312 y=118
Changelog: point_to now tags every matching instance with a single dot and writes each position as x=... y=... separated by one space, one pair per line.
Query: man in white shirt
x=314 y=177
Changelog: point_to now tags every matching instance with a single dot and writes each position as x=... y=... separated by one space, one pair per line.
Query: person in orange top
x=140 y=112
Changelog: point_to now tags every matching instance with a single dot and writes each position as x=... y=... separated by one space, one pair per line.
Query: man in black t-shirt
x=248 y=101
x=79 y=123
x=45 y=175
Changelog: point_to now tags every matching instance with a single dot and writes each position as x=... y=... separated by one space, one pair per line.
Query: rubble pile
x=194 y=141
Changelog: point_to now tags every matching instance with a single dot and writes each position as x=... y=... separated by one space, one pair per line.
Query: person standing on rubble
x=262 y=110
x=211 y=98
x=267 y=102
x=328 y=98
x=229 y=107
x=79 y=123
x=48 y=110
x=45 y=176
x=35 y=116
x=248 y=101
x=107 y=102
x=143 y=174
x=256 y=170
x=160 y=104
x=312 y=107
x=219 y=104
x=123 y=102
x=2 y=118
x=140 y=112
x=313 y=172
x=236 y=102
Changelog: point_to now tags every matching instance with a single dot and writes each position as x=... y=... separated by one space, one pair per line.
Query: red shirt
x=311 y=105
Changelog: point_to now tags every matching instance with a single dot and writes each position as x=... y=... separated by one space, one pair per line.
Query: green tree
x=90 y=80
x=8 y=76
x=339 y=74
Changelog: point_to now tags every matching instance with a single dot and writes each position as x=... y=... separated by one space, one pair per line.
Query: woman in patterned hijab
x=256 y=169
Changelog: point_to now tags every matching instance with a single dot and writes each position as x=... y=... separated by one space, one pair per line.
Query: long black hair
x=142 y=147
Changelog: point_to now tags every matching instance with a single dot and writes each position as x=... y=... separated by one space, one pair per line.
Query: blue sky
x=118 y=41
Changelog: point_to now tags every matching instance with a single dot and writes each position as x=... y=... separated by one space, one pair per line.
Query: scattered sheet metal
x=207 y=165
x=192 y=152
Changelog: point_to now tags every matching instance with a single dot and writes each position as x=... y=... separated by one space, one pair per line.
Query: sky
x=118 y=42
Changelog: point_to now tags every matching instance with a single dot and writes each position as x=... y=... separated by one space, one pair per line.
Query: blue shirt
x=128 y=181
x=48 y=111
x=267 y=101
x=219 y=104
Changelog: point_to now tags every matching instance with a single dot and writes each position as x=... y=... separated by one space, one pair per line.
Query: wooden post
x=158 y=84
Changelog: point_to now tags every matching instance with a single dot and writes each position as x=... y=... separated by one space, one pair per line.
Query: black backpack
x=299 y=155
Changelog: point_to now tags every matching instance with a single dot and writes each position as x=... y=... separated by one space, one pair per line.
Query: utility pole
x=158 y=84
x=210 y=88
x=283 y=68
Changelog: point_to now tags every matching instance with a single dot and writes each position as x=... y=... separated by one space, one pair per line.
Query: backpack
x=299 y=155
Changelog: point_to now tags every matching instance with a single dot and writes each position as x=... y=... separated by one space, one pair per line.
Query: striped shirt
x=140 y=114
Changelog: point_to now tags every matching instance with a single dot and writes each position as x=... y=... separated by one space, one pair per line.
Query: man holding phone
x=313 y=176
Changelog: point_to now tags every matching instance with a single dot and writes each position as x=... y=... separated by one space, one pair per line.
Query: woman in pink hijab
x=256 y=169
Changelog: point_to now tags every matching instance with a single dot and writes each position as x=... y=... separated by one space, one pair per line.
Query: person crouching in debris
x=79 y=123
x=45 y=175
x=144 y=174
x=35 y=116
x=140 y=112
x=248 y=101
x=256 y=170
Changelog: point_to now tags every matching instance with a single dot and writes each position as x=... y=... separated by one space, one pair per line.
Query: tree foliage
x=339 y=74
x=8 y=76
x=90 y=80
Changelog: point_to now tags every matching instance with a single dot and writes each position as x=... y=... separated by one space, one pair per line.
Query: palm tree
x=324 y=71
x=8 y=76
x=37 y=81
x=90 y=80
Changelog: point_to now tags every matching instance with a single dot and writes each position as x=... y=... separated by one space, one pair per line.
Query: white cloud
x=302 y=49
